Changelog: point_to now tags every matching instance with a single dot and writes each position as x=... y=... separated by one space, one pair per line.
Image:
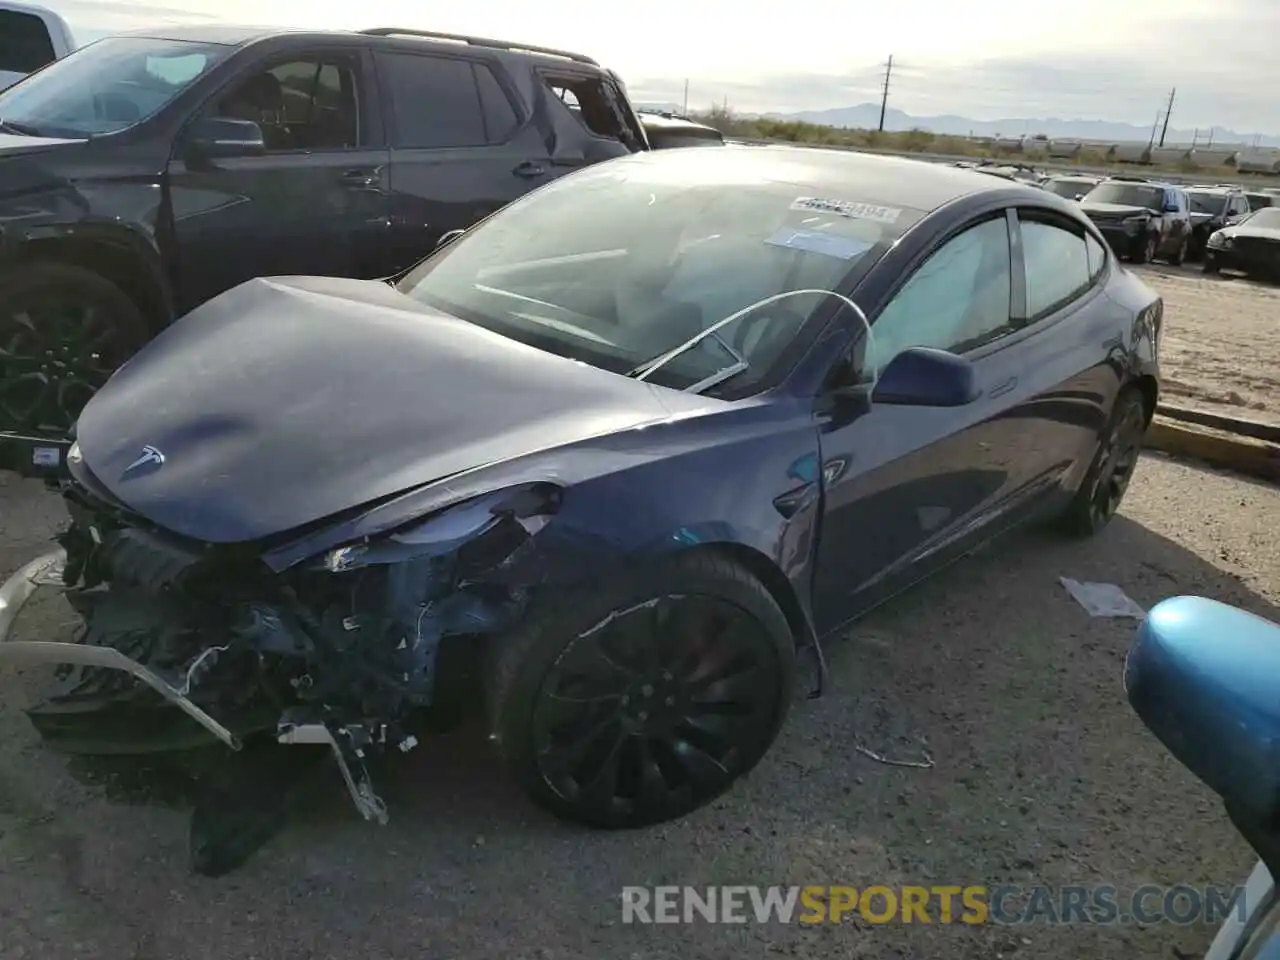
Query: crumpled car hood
x=287 y=400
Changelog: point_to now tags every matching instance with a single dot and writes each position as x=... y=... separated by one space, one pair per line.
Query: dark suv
x=1212 y=208
x=1142 y=219
x=142 y=175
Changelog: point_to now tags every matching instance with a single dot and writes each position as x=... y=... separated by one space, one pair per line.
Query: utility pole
x=1195 y=137
x=1167 y=111
x=684 y=112
x=1211 y=131
x=1154 y=127
x=884 y=96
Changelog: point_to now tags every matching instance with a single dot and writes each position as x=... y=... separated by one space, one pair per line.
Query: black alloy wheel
x=649 y=712
x=63 y=332
x=1104 y=487
x=640 y=702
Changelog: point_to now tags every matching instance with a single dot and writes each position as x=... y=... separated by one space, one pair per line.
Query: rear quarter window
x=25 y=44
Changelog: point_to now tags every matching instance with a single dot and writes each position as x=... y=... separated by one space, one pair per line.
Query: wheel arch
x=774 y=580
x=1149 y=387
x=128 y=262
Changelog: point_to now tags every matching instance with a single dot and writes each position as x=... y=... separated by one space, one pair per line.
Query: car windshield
x=624 y=262
x=1068 y=188
x=107 y=86
x=1267 y=218
x=1212 y=203
x=1127 y=194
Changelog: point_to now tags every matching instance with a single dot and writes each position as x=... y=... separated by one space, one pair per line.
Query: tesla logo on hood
x=149 y=455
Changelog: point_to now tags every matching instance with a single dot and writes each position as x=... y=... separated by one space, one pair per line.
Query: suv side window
x=957 y=300
x=25 y=44
x=1057 y=266
x=310 y=103
x=590 y=101
x=1237 y=206
x=435 y=101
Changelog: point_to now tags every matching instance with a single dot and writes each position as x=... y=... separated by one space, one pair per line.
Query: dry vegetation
x=919 y=141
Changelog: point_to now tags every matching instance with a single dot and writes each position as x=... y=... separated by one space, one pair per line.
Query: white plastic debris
x=1103 y=599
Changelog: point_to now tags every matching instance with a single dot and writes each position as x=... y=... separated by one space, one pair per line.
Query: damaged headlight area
x=341 y=650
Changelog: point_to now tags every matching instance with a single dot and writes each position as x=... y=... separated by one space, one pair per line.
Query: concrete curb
x=1255 y=458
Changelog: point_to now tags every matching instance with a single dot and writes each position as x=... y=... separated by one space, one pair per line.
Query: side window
x=1057 y=266
x=500 y=118
x=25 y=45
x=305 y=104
x=589 y=101
x=435 y=101
x=1097 y=254
x=957 y=300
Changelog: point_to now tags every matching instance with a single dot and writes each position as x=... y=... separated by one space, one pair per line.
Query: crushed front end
x=342 y=650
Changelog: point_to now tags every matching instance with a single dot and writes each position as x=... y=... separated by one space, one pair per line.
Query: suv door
x=460 y=147
x=314 y=202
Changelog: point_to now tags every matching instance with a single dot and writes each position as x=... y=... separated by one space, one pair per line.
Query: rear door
x=460 y=147
x=1068 y=349
x=315 y=203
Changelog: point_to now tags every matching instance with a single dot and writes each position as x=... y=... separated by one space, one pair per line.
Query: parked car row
x=146 y=173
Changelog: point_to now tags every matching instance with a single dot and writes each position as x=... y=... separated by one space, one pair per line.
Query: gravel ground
x=1042 y=775
x=1221 y=344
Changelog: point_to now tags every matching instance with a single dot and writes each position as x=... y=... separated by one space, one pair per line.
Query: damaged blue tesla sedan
x=627 y=452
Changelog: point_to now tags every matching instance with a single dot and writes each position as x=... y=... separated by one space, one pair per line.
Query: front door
x=904 y=485
x=459 y=148
x=314 y=203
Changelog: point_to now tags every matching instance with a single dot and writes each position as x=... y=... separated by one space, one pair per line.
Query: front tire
x=1104 y=486
x=63 y=331
x=641 y=700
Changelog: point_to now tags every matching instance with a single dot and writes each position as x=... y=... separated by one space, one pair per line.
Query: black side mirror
x=925 y=377
x=448 y=238
x=216 y=138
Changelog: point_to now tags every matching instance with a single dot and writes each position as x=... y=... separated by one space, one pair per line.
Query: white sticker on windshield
x=847 y=208
x=815 y=241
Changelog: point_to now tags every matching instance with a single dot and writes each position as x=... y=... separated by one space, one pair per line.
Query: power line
x=884 y=96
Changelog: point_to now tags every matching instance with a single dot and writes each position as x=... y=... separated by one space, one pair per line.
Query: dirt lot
x=1042 y=775
x=1222 y=342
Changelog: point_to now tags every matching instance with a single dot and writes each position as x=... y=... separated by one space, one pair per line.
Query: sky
x=985 y=59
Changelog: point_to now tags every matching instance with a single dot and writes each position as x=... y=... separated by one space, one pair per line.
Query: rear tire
x=63 y=331
x=1104 y=486
x=640 y=700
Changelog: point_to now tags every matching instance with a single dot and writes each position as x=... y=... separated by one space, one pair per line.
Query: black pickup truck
x=143 y=174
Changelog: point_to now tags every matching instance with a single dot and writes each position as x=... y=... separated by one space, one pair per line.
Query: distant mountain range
x=867 y=116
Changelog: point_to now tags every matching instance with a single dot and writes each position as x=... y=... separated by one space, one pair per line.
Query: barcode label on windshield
x=847 y=208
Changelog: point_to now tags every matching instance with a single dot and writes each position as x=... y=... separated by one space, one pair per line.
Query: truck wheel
x=63 y=331
x=641 y=700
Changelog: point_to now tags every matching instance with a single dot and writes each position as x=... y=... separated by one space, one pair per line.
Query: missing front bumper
x=47 y=571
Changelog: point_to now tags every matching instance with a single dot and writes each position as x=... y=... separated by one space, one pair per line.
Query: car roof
x=843 y=175
x=667 y=121
x=243 y=34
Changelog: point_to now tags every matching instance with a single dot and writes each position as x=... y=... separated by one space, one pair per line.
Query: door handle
x=359 y=178
x=1003 y=388
x=529 y=169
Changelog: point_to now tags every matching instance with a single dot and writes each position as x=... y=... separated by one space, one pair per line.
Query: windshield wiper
x=22 y=129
